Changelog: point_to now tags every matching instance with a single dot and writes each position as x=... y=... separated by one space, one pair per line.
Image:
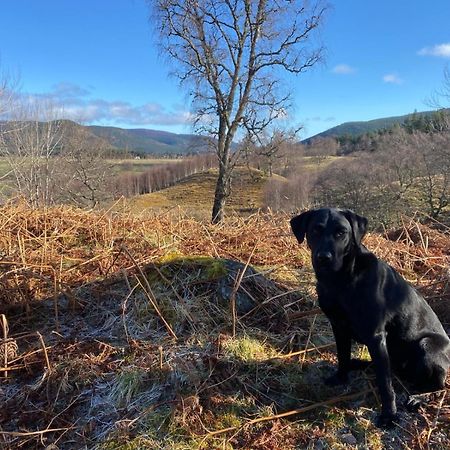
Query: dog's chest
x=345 y=310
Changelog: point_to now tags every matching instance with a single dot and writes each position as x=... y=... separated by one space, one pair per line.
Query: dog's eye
x=340 y=233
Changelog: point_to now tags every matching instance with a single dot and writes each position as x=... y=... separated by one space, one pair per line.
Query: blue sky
x=98 y=58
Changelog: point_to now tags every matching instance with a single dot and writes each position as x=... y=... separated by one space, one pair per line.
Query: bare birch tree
x=30 y=140
x=8 y=92
x=86 y=168
x=231 y=54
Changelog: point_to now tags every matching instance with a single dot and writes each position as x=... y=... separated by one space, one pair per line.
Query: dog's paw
x=387 y=420
x=359 y=364
x=336 y=379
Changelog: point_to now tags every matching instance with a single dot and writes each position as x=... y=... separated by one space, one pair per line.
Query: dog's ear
x=299 y=224
x=358 y=223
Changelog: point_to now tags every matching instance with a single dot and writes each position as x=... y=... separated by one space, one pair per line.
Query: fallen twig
x=304 y=409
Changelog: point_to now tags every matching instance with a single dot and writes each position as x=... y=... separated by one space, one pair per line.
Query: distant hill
x=150 y=141
x=153 y=142
x=358 y=128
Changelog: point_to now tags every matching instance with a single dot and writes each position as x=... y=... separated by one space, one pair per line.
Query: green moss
x=365 y=431
x=248 y=349
x=207 y=268
x=227 y=420
x=211 y=268
x=334 y=418
x=138 y=443
x=363 y=353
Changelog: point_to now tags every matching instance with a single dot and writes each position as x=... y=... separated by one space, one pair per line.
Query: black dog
x=366 y=300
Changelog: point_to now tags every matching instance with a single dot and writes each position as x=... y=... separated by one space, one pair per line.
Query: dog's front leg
x=344 y=348
x=379 y=354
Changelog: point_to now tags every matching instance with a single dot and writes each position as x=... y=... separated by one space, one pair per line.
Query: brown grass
x=130 y=335
x=196 y=192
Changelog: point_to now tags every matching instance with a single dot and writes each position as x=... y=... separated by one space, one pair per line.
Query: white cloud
x=343 y=69
x=441 y=50
x=76 y=103
x=392 y=78
x=320 y=119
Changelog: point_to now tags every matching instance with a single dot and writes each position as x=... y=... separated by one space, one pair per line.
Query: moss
x=363 y=353
x=248 y=349
x=365 y=431
x=210 y=268
x=172 y=255
x=137 y=443
x=334 y=418
x=228 y=420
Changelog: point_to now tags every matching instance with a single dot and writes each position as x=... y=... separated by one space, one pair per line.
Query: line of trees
x=161 y=176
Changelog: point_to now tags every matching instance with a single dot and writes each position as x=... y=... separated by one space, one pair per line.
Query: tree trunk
x=221 y=193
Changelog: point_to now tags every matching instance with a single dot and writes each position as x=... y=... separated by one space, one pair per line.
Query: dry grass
x=196 y=192
x=152 y=332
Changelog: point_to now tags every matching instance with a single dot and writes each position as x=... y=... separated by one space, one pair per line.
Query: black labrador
x=366 y=300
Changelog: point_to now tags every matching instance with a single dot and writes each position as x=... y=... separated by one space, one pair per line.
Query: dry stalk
x=27 y=355
x=236 y=286
x=331 y=401
x=302 y=352
x=124 y=310
x=4 y=344
x=308 y=339
x=44 y=349
x=302 y=314
x=33 y=433
x=178 y=296
x=149 y=293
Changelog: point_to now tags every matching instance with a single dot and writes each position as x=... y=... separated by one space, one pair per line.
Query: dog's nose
x=324 y=257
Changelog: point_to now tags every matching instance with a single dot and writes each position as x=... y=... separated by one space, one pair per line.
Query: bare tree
x=30 y=140
x=271 y=146
x=8 y=88
x=86 y=169
x=322 y=147
x=230 y=54
x=8 y=93
x=440 y=98
x=434 y=181
x=290 y=194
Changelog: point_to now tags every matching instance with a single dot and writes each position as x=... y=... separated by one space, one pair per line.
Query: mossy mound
x=135 y=350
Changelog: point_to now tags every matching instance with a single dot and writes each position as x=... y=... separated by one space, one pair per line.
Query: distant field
x=133 y=165
x=139 y=165
x=313 y=163
x=196 y=192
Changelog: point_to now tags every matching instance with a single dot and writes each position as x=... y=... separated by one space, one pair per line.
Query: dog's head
x=331 y=234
